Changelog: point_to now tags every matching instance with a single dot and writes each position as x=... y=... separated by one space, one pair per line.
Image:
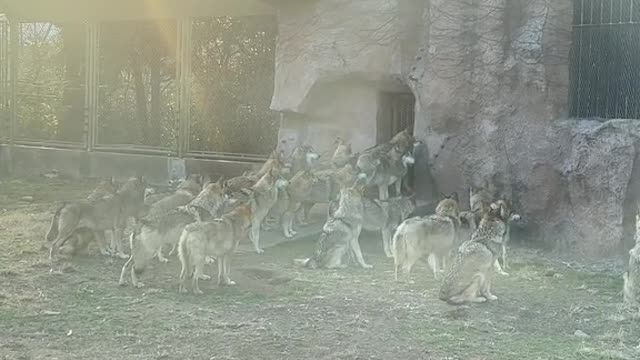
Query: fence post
x=91 y=85
x=14 y=29
x=183 y=77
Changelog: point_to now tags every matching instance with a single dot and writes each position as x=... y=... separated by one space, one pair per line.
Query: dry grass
x=278 y=311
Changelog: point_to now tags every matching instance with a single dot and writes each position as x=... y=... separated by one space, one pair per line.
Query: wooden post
x=631 y=287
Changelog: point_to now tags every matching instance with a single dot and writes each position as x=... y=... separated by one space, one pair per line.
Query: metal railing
x=605 y=59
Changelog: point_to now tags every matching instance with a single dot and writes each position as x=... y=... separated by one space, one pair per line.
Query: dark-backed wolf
x=108 y=213
x=471 y=274
x=158 y=229
x=79 y=242
x=340 y=234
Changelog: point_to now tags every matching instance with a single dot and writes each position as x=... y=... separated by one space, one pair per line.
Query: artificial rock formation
x=490 y=78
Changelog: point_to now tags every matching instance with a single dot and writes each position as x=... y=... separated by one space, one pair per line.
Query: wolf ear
x=494 y=206
x=454 y=196
x=220 y=180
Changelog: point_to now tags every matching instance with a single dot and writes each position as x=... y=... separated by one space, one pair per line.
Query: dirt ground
x=547 y=309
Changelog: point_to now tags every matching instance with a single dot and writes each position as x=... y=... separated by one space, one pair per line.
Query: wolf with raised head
x=340 y=234
x=470 y=277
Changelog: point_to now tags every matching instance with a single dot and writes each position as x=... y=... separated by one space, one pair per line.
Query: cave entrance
x=396 y=112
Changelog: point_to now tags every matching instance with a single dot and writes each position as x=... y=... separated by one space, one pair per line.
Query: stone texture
x=490 y=79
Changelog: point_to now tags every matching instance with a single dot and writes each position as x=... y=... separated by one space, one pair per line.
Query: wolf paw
x=163 y=259
x=367 y=266
x=205 y=277
x=503 y=273
x=259 y=250
x=492 y=297
x=140 y=285
x=122 y=256
x=209 y=260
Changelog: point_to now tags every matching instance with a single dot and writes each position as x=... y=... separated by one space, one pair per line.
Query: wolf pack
x=203 y=221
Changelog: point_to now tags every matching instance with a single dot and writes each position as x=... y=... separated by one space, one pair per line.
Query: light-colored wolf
x=265 y=195
x=218 y=238
x=471 y=274
x=433 y=236
x=108 y=213
x=340 y=234
x=158 y=229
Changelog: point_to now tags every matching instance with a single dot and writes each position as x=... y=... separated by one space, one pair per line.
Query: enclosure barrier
x=185 y=87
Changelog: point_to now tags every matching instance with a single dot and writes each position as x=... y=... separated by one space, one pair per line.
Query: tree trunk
x=154 y=118
x=141 y=97
x=71 y=119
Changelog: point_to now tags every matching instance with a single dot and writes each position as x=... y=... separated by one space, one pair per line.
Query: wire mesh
x=50 y=82
x=232 y=85
x=605 y=59
x=4 y=79
x=137 y=84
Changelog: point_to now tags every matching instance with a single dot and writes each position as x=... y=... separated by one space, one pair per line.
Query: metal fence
x=200 y=87
x=605 y=59
x=4 y=79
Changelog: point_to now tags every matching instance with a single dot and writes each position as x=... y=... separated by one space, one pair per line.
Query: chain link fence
x=50 y=83
x=605 y=59
x=232 y=84
x=137 y=84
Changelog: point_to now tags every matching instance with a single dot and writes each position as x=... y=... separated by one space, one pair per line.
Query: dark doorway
x=396 y=112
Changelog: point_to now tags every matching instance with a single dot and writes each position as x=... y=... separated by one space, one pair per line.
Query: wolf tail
x=398 y=249
x=53 y=228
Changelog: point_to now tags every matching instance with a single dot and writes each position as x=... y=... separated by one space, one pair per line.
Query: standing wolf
x=105 y=214
x=384 y=216
x=82 y=237
x=471 y=274
x=265 y=194
x=433 y=236
x=158 y=229
x=386 y=169
x=218 y=238
x=340 y=234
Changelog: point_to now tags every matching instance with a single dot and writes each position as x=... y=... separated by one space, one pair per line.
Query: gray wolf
x=471 y=274
x=433 y=236
x=105 y=214
x=186 y=191
x=340 y=234
x=384 y=216
x=79 y=242
x=480 y=199
x=164 y=228
x=385 y=169
x=265 y=195
x=218 y=238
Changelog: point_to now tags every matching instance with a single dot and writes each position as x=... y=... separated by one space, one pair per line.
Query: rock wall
x=490 y=79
